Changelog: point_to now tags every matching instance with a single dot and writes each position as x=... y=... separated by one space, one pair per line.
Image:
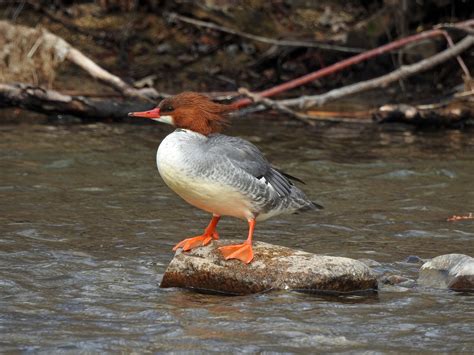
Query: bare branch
x=462 y=26
x=64 y=50
x=336 y=67
x=287 y=43
x=458 y=57
x=275 y=106
x=382 y=81
x=309 y=119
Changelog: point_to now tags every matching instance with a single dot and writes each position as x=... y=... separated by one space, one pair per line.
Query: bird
x=220 y=174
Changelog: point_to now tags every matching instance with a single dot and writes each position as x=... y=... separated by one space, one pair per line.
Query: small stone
x=413 y=259
x=273 y=268
x=453 y=271
x=369 y=262
x=396 y=280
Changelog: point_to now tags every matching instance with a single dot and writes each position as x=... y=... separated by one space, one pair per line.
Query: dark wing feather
x=279 y=182
x=291 y=177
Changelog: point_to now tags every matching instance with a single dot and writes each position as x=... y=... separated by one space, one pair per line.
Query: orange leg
x=210 y=233
x=243 y=251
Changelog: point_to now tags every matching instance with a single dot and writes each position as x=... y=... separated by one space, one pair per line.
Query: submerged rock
x=399 y=280
x=454 y=271
x=369 y=262
x=413 y=259
x=273 y=268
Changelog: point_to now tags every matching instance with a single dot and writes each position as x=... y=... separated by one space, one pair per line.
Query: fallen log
x=458 y=110
x=53 y=102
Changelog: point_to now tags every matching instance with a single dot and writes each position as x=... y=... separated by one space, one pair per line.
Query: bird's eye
x=168 y=108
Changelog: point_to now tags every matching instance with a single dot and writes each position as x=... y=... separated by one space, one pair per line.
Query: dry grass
x=26 y=57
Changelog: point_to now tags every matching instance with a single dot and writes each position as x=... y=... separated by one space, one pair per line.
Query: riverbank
x=171 y=53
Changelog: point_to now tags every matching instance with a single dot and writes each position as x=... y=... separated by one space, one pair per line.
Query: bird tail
x=301 y=203
x=310 y=207
x=317 y=206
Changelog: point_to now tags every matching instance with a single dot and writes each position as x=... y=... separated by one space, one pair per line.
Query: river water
x=87 y=227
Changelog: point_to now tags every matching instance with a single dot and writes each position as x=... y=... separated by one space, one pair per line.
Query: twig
x=384 y=80
x=337 y=119
x=461 y=26
x=308 y=118
x=349 y=115
x=459 y=218
x=464 y=94
x=458 y=57
x=445 y=102
x=287 y=43
x=18 y=10
x=276 y=106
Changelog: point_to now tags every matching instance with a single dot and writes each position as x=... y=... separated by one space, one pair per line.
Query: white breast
x=179 y=171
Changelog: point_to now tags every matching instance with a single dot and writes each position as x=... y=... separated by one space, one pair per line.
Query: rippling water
x=86 y=228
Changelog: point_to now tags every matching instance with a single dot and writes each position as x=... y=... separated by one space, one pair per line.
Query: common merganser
x=223 y=175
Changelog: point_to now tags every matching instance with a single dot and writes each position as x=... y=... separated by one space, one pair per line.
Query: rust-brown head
x=190 y=110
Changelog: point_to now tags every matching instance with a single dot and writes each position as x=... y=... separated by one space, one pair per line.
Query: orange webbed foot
x=194 y=242
x=242 y=252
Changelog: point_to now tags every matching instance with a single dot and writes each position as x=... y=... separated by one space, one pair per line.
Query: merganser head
x=190 y=110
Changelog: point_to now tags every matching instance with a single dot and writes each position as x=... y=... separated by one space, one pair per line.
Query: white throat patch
x=165 y=119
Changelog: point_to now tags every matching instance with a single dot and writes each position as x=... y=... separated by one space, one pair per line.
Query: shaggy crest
x=196 y=112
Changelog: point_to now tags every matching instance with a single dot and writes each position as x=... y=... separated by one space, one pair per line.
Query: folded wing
x=247 y=157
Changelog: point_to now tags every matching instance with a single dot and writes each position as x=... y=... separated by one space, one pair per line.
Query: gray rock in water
x=273 y=268
x=398 y=280
x=413 y=259
x=369 y=262
x=454 y=271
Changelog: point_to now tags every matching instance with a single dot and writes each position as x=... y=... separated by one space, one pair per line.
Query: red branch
x=348 y=62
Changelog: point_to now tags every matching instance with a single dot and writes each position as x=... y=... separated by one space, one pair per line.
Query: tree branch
x=463 y=66
x=287 y=43
x=275 y=106
x=64 y=50
x=382 y=81
x=363 y=117
x=351 y=61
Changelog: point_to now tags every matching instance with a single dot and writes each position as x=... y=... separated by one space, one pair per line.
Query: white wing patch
x=263 y=180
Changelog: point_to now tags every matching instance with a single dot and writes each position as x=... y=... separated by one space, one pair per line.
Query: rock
x=413 y=259
x=453 y=271
x=370 y=262
x=273 y=268
x=397 y=280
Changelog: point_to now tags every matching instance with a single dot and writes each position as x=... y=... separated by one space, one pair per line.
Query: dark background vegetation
x=143 y=42
x=135 y=39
